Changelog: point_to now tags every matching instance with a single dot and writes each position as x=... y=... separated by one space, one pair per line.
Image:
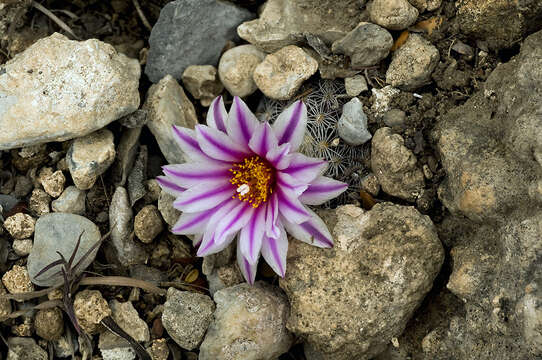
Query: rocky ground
x=431 y=110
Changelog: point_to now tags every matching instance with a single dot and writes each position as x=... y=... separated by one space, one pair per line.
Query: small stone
x=159 y=349
x=355 y=85
x=25 y=348
x=17 y=280
x=412 y=64
x=165 y=206
x=395 y=118
x=370 y=184
x=126 y=316
x=249 y=324
x=423 y=5
x=223 y=277
x=427 y=172
x=352 y=125
x=136 y=179
x=20 y=226
x=60 y=89
x=89 y=157
x=148 y=224
x=71 y=201
x=382 y=100
x=186 y=317
x=366 y=45
x=63 y=348
x=118 y=354
x=49 y=324
x=90 y=308
x=395 y=166
x=281 y=74
x=126 y=155
x=23 y=186
x=202 y=82
x=168 y=105
x=153 y=191
x=393 y=14
x=236 y=67
x=39 y=202
x=5 y=305
x=29 y=157
x=53 y=184
x=22 y=247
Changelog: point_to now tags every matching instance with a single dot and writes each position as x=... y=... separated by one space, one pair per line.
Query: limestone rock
x=49 y=324
x=355 y=85
x=22 y=348
x=126 y=316
x=17 y=280
x=352 y=125
x=148 y=223
x=90 y=308
x=393 y=14
x=20 y=226
x=22 y=247
x=165 y=206
x=71 y=201
x=202 y=82
x=236 y=67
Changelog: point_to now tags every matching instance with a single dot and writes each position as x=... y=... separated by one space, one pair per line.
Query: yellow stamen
x=253 y=177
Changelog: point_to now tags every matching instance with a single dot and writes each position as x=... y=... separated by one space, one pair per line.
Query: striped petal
x=209 y=246
x=196 y=240
x=186 y=138
x=291 y=124
x=271 y=217
x=263 y=140
x=305 y=168
x=193 y=223
x=217 y=115
x=313 y=231
x=241 y=122
x=250 y=238
x=274 y=252
x=194 y=173
x=290 y=207
x=208 y=243
x=218 y=145
x=279 y=157
x=234 y=220
x=247 y=269
x=203 y=197
x=169 y=186
x=290 y=183
x=321 y=190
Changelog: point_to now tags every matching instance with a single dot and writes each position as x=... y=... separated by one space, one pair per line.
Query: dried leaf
x=429 y=25
x=400 y=40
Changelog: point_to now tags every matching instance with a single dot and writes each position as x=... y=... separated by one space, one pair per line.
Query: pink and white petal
x=251 y=235
x=196 y=240
x=247 y=269
x=291 y=183
x=169 y=186
x=274 y=252
x=234 y=220
x=191 y=174
x=313 y=231
x=193 y=223
x=218 y=145
x=217 y=115
x=222 y=210
x=263 y=140
x=305 y=168
x=203 y=197
x=209 y=246
x=279 y=156
x=291 y=124
x=290 y=207
x=186 y=139
x=241 y=122
x=321 y=190
x=272 y=216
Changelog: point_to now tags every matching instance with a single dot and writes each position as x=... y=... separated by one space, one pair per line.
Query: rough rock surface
x=423 y=5
x=5 y=305
x=352 y=125
x=282 y=73
x=249 y=324
x=236 y=67
x=17 y=280
x=23 y=348
x=392 y=14
x=202 y=82
x=126 y=316
x=285 y=22
x=90 y=308
x=395 y=165
x=168 y=105
x=72 y=201
x=20 y=226
x=59 y=89
x=148 y=223
x=49 y=323
x=184 y=25
x=350 y=301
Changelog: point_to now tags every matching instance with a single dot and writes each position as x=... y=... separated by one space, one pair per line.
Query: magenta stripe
x=292 y=124
x=219 y=120
x=235 y=219
x=221 y=147
x=283 y=200
x=264 y=145
x=324 y=188
x=248 y=270
x=186 y=138
x=202 y=217
x=308 y=227
x=169 y=184
x=274 y=251
x=303 y=166
x=242 y=120
x=209 y=194
x=208 y=246
x=279 y=157
x=202 y=175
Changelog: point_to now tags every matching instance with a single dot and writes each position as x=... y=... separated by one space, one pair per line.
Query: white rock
x=236 y=67
x=352 y=126
x=22 y=247
x=72 y=200
x=355 y=85
x=202 y=83
x=127 y=317
x=59 y=89
x=393 y=14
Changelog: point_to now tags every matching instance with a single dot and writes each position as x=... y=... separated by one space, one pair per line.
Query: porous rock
x=202 y=82
x=126 y=316
x=22 y=348
x=148 y=223
x=20 y=226
x=39 y=202
x=90 y=308
x=49 y=323
x=236 y=67
x=392 y=14
x=17 y=280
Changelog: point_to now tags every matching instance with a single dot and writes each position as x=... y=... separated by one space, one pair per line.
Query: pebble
x=352 y=125
x=168 y=105
x=423 y=5
x=23 y=186
x=148 y=224
x=59 y=89
x=136 y=179
x=282 y=73
x=60 y=232
x=395 y=118
x=126 y=316
x=53 y=183
x=159 y=349
x=355 y=85
x=395 y=165
x=71 y=201
x=17 y=280
x=202 y=82
x=236 y=67
x=89 y=157
x=393 y=14
x=5 y=305
x=412 y=64
x=20 y=226
x=63 y=347
x=191 y=32
x=90 y=308
x=126 y=155
x=128 y=252
x=370 y=184
x=186 y=317
x=165 y=206
x=366 y=45
x=39 y=202
x=25 y=348
x=118 y=354
x=153 y=191
x=49 y=324
x=22 y=247
x=382 y=100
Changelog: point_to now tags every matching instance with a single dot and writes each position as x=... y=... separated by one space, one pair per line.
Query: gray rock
x=383 y=264
x=355 y=85
x=423 y=5
x=59 y=89
x=249 y=324
x=202 y=82
x=24 y=348
x=23 y=186
x=90 y=156
x=128 y=252
x=395 y=118
x=137 y=119
x=59 y=232
x=168 y=105
x=126 y=155
x=39 y=202
x=191 y=32
x=118 y=354
x=285 y=22
x=71 y=201
x=138 y=175
x=395 y=166
x=126 y=316
x=366 y=45
x=412 y=64
x=165 y=206
x=5 y=305
x=236 y=67
x=352 y=125
x=186 y=317
x=392 y=14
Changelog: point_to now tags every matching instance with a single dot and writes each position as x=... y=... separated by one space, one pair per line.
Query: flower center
x=253 y=177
